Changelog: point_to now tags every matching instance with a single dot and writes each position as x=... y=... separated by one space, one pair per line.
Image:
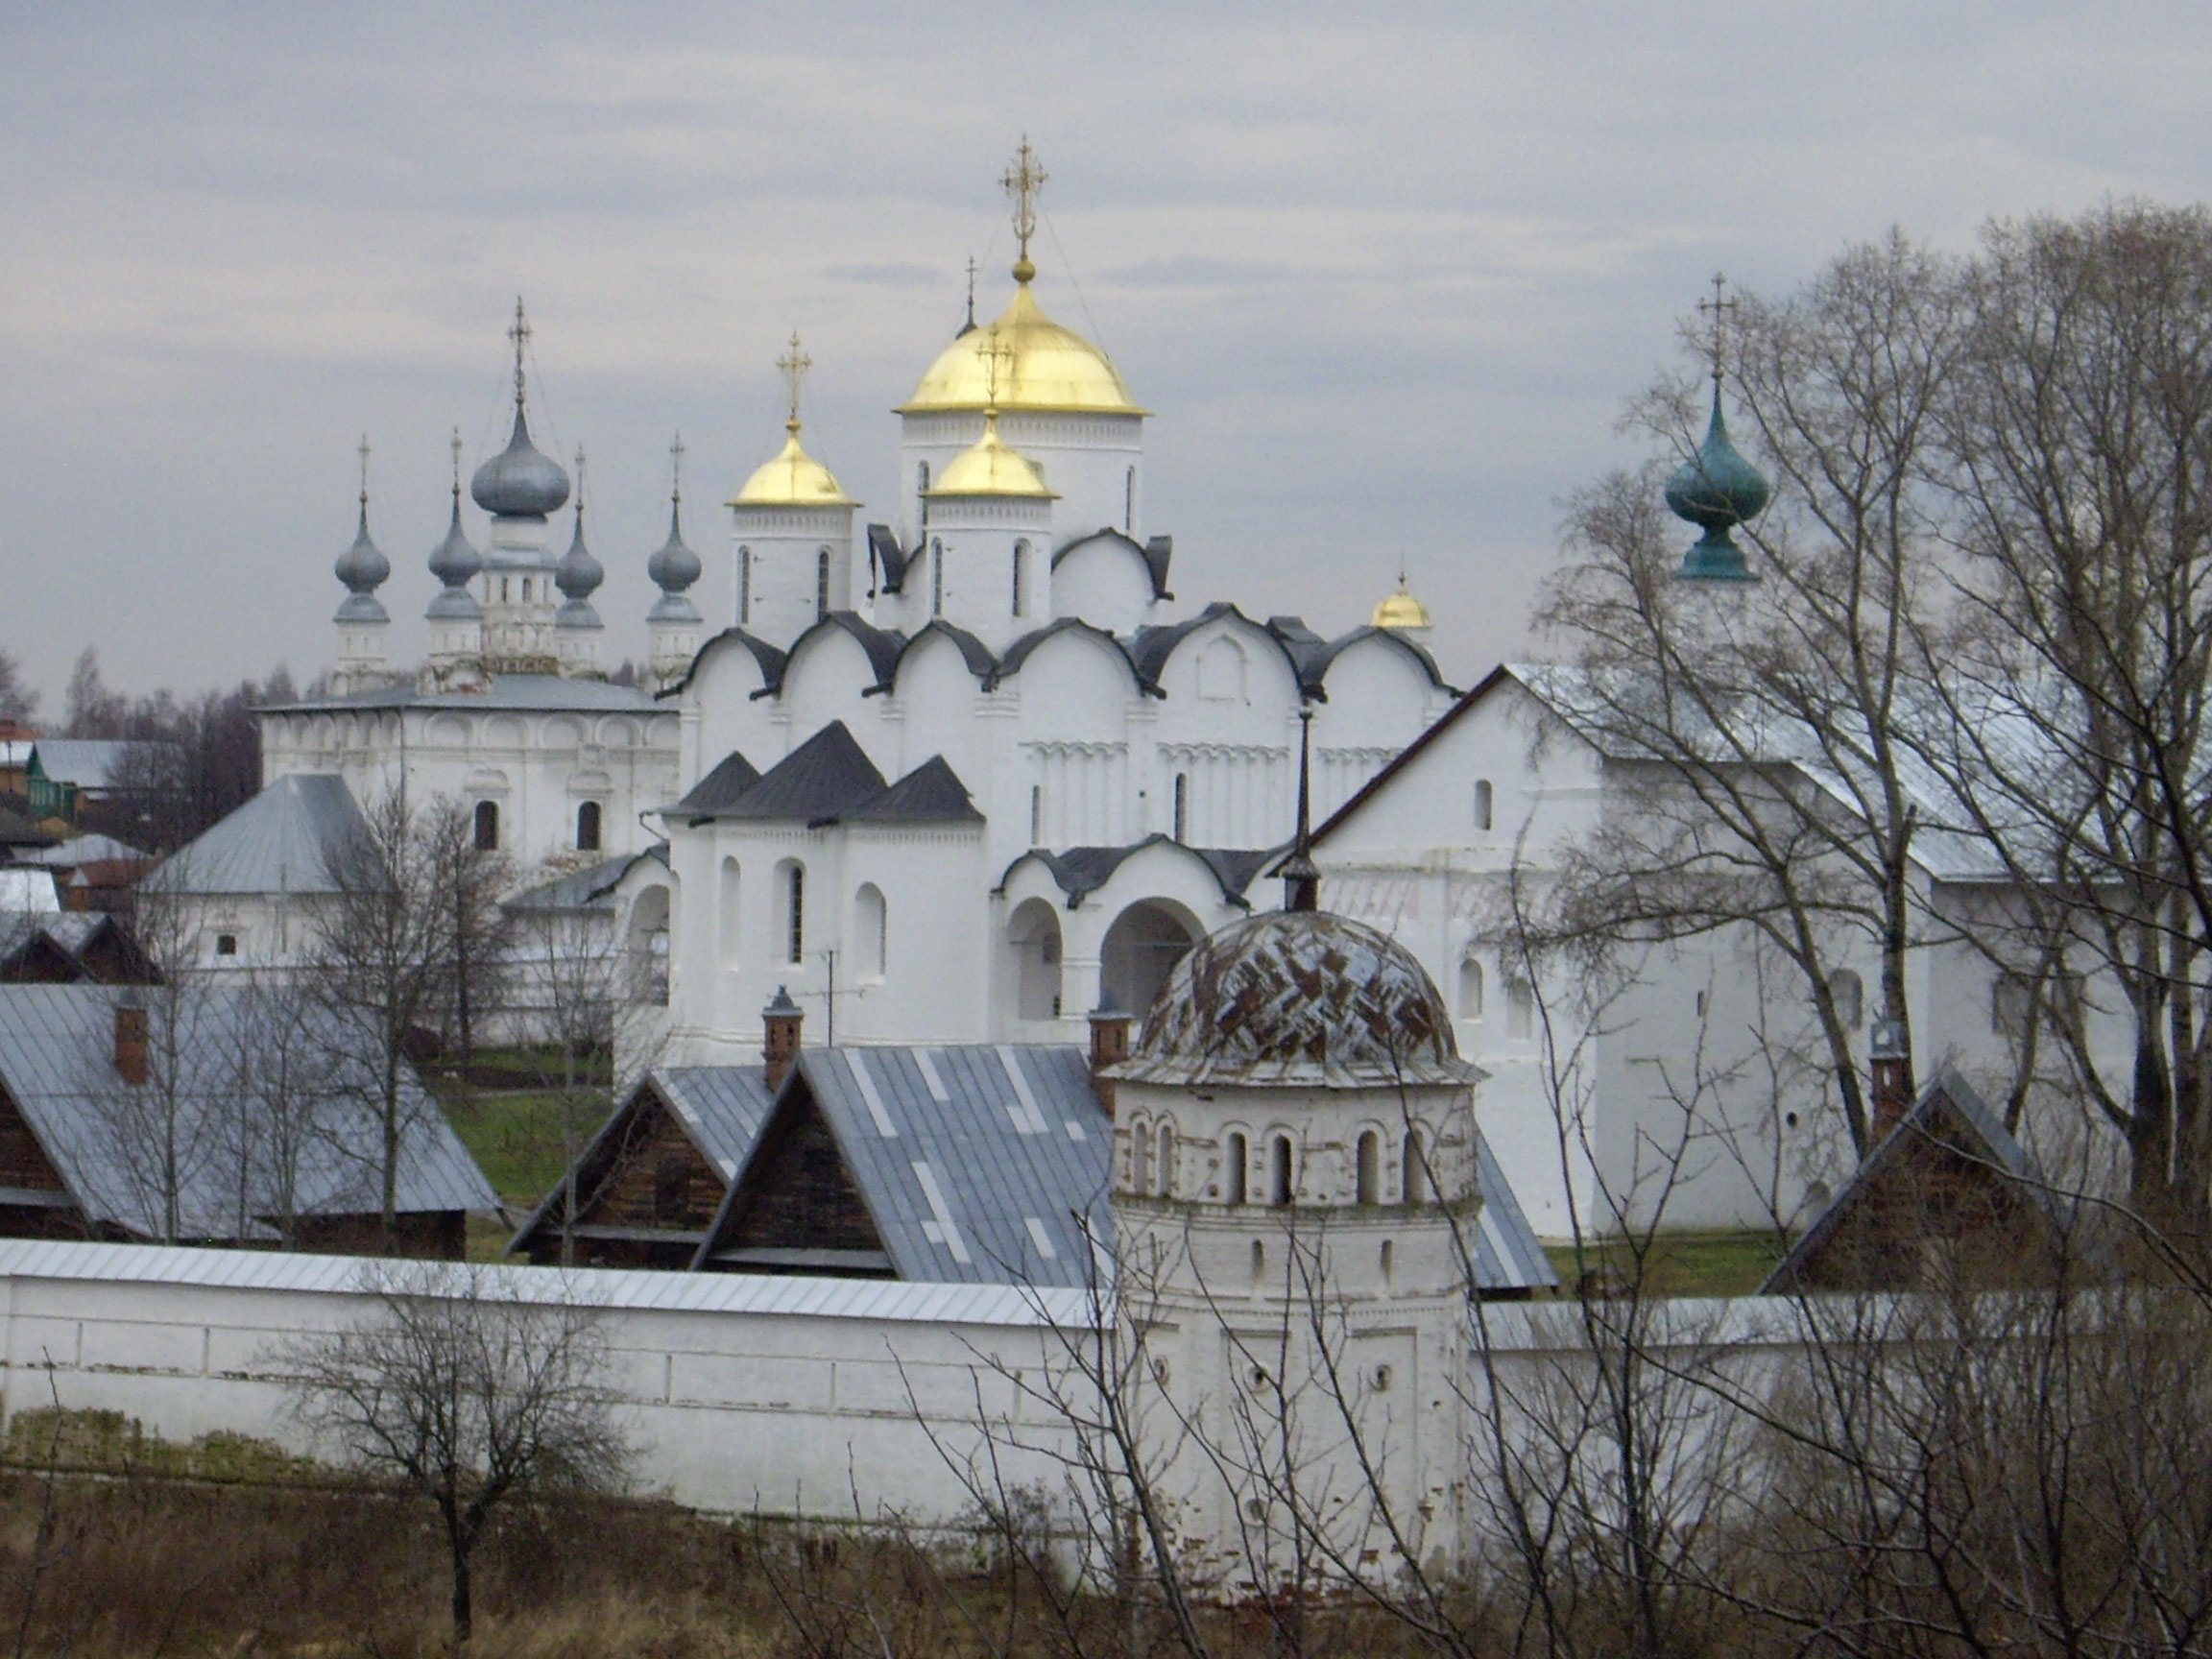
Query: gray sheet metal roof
x=823 y=775
x=1506 y=1254
x=88 y=762
x=81 y=850
x=1081 y=871
x=981 y=1163
x=932 y=793
x=613 y=1288
x=722 y=1109
x=56 y=1063
x=584 y=889
x=546 y=691
x=732 y=774
x=279 y=842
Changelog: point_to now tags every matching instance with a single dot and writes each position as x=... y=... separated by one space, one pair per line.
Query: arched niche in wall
x=1033 y=945
x=1141 y=950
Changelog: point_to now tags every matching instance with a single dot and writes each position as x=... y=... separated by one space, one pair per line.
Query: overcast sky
x=1383 y=273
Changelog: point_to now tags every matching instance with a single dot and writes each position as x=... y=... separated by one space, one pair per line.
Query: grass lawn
x=1677 y=1263
x=514 y=1134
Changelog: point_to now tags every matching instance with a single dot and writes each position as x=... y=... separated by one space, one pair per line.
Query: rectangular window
x=798 y=915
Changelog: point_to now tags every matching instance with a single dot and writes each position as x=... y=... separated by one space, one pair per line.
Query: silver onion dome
x=519 y=482
x=363 y=569
x=673 y=568
x=454 y=562
x=578 y=576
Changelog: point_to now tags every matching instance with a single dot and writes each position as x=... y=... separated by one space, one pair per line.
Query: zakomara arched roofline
x=1153 y=648
x=771 y=660
x=881 y=645
x=1321 y=658
x=973 y=652
x=1021 y=650
x=1082 y=870
x=1154 y=554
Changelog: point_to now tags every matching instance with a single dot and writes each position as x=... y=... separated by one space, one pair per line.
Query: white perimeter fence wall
x=818 y=1397
x=833 y=1399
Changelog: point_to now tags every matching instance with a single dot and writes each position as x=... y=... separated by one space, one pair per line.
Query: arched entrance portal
x=1141 y=951
x=1033 y=937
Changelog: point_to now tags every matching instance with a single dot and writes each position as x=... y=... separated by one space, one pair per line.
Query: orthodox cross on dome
x=1716 y=310
x=518 y=332
x=972 y=267
x=794 y=363
x=997 y=356
x=676 y=468
x=1022 y=182
x=579 y=482
x=364 y=472
x=455 y=447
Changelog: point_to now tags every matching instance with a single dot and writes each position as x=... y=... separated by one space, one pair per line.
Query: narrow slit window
x=1232 y=1192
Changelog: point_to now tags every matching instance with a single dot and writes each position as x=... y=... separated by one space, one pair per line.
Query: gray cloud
x=1384 y=276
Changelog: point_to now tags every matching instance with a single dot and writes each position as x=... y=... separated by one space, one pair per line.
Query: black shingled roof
x=932 y=793
x=825 y=776
x=720 y=789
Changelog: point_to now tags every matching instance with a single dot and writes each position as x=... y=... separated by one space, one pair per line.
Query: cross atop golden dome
x=794 y=478
x=1043 y=368
x=1022 y=182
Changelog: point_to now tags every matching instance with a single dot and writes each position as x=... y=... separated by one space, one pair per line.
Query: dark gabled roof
x=932 y=793
x=721 y=787
x=720 y=1109
x=57 y=1063
x=62 y=943
x=1017 y=653
x=1156 y=554
x=978 y=1163
x=881 y=645
x=770 y=659
x=973 y=651
x=584 y=889
x=887 y=558
x=17 y=831
x=824 y=777
x=1081 y=871
x=1951 y=1118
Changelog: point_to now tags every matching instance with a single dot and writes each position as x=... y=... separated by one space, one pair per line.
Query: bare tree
x=467 y=1395
x=18 y=701
x=388 y=951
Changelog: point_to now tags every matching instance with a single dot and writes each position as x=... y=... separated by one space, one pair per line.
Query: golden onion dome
x=989 y=468
x=1400 y=611
x=794 y=478
x=1041 y=366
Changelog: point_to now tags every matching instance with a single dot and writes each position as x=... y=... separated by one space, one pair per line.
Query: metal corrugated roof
x=723 y=1109
x=281 y=841
x=618 y=1289
x=1506 y=1254
x=981 y=1163
x=107 y=1138
x=88 y=762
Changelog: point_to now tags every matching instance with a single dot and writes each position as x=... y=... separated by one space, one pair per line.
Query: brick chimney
x=1889 y=1051
x=1109 y=1047
x=782 y=1019
x=130 y=1037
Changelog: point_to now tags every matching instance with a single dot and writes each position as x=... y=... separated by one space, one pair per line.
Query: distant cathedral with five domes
x=982 y=731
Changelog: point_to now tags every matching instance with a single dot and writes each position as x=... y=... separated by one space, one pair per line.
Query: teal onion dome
x=363 y=569
x=519 y=482
x=1717 y=489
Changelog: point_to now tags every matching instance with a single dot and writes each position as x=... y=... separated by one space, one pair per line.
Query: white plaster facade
x=1588 y=1087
